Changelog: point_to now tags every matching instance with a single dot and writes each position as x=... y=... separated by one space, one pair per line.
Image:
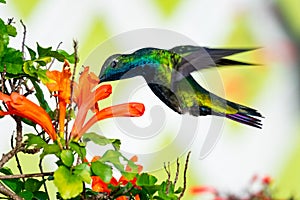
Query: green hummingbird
x=168 y=74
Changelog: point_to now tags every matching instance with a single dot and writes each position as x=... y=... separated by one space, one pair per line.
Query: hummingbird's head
x=112 y=69
x=123 y=66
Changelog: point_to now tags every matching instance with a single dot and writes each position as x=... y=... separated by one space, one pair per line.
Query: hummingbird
x=168 y=73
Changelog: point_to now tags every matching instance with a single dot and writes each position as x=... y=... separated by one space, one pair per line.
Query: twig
x=177 y=171
x=75 y=46
x=7 y=192
x=10 y=21
x=53 y=58
x=43 y=178
x=184 y=175
x=23 y=41
x=14 y=176
x=16 y=155
x=19 y=138
x=168 y=171
x=6 y=157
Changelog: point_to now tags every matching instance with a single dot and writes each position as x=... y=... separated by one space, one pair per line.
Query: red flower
x=21 y=106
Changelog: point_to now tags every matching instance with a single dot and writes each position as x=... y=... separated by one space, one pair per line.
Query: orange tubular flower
x=86 y=98
x=122 y=110
x=21 y=106
x=61 y=83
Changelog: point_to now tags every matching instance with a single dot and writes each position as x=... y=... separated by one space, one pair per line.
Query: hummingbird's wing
x=197 y=101
x=166 y=96
x=194 y=58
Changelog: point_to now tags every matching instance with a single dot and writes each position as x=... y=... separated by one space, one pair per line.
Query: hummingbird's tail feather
x=245 y=119
x=245 y=115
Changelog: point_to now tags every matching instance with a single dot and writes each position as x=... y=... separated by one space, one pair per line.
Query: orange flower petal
x=122 y=110
x=98 y=185
x=23 y=107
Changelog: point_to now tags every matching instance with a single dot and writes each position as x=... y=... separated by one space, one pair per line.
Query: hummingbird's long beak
x=102 y=78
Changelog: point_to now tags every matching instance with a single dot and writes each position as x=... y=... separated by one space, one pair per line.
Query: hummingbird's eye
x=113 y=64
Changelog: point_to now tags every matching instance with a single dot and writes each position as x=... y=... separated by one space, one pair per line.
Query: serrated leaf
x=68 y=184
x=79 y=149
x=50 y=149
x=11 y=30
x=67 y=157
x=102 y=170
x=26 y=195
x=35 y=140
x=145 y=179
x=33 y=185
x=84 y=172
x=32 y=53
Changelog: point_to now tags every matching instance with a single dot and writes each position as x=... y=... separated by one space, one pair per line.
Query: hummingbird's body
x=168 y=74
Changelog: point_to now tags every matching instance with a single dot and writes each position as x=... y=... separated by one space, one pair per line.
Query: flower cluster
x=85 y=97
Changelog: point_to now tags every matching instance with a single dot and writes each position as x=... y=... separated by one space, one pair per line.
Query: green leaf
x=40 y=96
x=145 y=179
x=102 y=170
x=13 y=60
x=101 y=140
x=27 y=195
x=37 y=73
x=32 y=53
x=6 y=171
x=50 y=149
x=69 y=57
x=34 y=140
x=39 y=195
x=15 y=185
x=79 y=148
x=33 y=185
x=114 y=158
x=67 y=157
x=43 y=61
x=11 y=30
x=84 y=172
x=2 y=1
x=68 y=184
x=4 y=38
x=43 y=52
